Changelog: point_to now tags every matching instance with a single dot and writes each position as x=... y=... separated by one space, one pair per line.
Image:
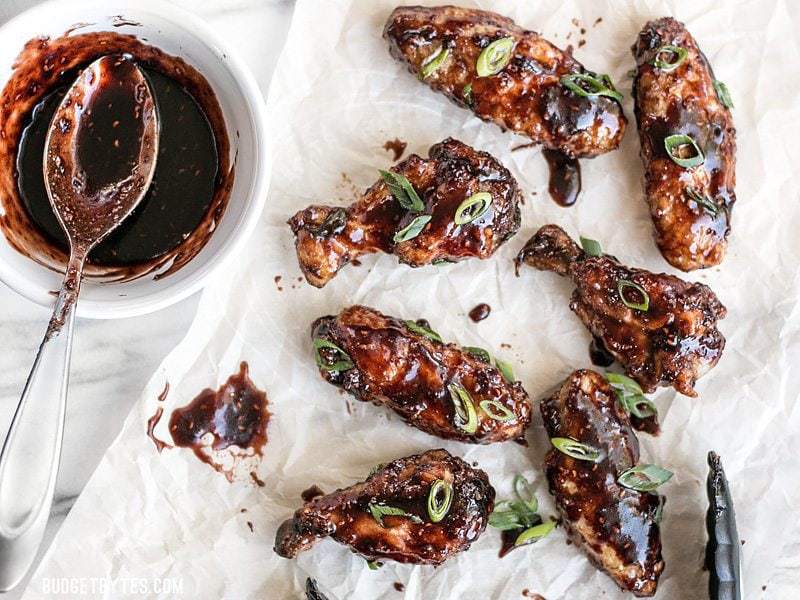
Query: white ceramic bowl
x=179 y=33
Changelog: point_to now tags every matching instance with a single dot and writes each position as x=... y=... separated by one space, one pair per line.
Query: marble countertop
x=112 y=361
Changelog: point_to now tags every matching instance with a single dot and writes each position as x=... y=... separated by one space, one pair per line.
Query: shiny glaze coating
x=617 y=527
x=404 y=483
x=684 y=101
x=410 y=373
x=526 y=97
x=673 y=343
x=329 y=237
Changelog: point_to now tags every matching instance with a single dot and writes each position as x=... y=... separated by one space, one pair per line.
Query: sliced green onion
x=576 y=449
x=378 y=511
x=723 y=94
x=591 y=247
x=434 y=62
x=497 y=411
x=659 y=511
x=630 y=395
x=505 y=520
x=479 y=353
x=495 y=57
x=624 y=284
x=524 y=493
x=442 y=261
x=679 y=142
x=473 y=207
x=341 y=359
x=590 y=86
x=535 y=533
x=623 y=382
x=704 y=202
x=333 y=223
x=505 y=369
x=374 y=565
x=440 y=497
x=679 y=54
x=644 y=478
x=466 y=415
x=422 y=330
x=403 y=191
x=413 y=229
x=466 y=93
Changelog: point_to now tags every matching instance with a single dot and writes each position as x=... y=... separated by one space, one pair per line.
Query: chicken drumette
x=439 y=388
x=508 y=75
x=421 y=509
x=459 y=203
x=616 y=526
x=688 y=145
x=661 y=329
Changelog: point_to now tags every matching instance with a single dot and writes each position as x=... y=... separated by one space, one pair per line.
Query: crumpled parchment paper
x=336 y=98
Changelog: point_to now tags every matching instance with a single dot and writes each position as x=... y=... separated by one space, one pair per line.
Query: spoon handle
x=32 y=449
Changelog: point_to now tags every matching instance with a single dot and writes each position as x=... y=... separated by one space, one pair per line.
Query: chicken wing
x=439 y=388
x=688 y=145
x=661 y=329
x=508 y=75
x=421 y=509
x=468 y=205
x=616 y=526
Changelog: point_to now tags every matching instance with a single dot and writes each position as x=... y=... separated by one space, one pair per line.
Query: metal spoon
x=99 y=159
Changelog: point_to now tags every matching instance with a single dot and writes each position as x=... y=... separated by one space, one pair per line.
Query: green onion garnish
x=440 y=497
x=422 y=330
x=403 y=191
x=495 y=57
x=625 y=284
x=333 y=223
x=413 y=229
x=659 y=511
x=677 y=53
x=680 y=143
x=466 y=415
x=535 y=533
x=473 y=208
x=644 y=478
x=434 y=62
x=519 y=513
x=576 y=449
x=524 y=493
x=374 y=565
x=723 y=94
x=505 y=369
x=330 y=357
x=590 y=86
x=496 y=411
x=704 y=202
x=466 y=93
x=631 y=397
x=479 y=353
x=591 y=247
x=378 y=511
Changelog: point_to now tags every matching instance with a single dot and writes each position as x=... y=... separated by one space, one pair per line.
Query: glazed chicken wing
x=616 y=526
x=688 y=145
x=439 y=388
x=421 y=509
x=468 y=205
x=508 y=75
x=661 y=329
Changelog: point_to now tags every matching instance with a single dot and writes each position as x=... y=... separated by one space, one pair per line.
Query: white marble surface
x=112 y=361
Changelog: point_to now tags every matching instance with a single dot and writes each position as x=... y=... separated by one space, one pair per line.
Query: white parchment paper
x=336 y=98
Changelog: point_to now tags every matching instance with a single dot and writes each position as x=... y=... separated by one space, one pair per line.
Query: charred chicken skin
x=469 y=206
x=439 y=388
x=421 y=509
x=688 y=145
x=616 y=526
x=661 y=329
x=519 y=83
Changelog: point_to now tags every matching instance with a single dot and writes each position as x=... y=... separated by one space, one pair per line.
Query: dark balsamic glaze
x=565 y=177
x=313 y=492
x=508 y=537
x=312 y=591
x=182 y=187
x=399 y=587
x=234 y=415
x=480 y=312
x=396 y=146
x=153 y=421
x=598 y=353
